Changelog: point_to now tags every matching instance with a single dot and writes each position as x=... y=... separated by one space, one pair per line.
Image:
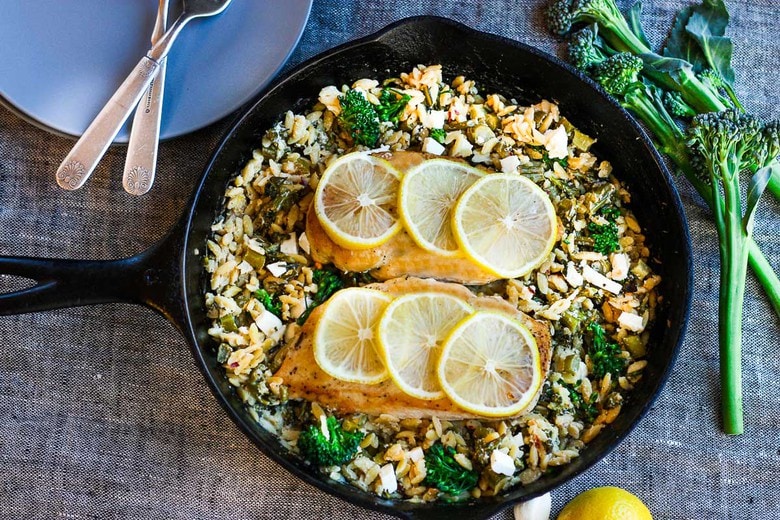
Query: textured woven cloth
x=103 y=413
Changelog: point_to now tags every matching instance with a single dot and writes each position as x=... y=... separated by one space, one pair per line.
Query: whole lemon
x=605 y=503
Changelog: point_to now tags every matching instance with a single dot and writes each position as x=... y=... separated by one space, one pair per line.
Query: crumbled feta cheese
x=478 y=158
x=324 y=427
x=289 y=246
x=431 y=145
x=387 y=478
x=268 y=322
x=620 y=266
x=535 y=509
x=303 y=241
x=416 y=454
x=329 y=96
x=599 y=280
x=277 y=268
x=510 y=163
x=436 y=118
x=461 y=147
x=573 y=276
x=501 y=463
x=244 y=267
x=557 y=141
x=631 y=321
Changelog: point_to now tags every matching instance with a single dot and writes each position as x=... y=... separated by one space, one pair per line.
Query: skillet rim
x=440 y=509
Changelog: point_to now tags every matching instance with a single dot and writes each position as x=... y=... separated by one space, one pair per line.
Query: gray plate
x=61 y=61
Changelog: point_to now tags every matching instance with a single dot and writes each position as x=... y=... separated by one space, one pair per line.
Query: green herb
x=604 y=356
x=438 y=135
x=270 y=302
x=445 y=474
x=337 y=448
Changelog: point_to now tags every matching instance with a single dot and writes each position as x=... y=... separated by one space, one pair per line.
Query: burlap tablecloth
x=104 y=415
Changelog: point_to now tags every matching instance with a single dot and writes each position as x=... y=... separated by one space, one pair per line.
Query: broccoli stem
x=733 y=271
x=774 y=185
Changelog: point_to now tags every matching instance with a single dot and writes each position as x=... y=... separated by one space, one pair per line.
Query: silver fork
x=82 y=159
x=141 y=160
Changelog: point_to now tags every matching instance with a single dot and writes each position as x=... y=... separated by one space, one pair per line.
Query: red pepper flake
x=234 y=364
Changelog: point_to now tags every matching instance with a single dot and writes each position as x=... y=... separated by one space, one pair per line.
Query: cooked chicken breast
x=400 y=256
x=305 y=380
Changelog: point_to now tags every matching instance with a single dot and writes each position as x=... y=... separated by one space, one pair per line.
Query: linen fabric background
x=103 y=413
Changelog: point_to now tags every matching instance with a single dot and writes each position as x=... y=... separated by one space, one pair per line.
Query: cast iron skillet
x=169 y=278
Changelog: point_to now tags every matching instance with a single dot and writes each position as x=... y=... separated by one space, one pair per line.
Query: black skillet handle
x=151 y=278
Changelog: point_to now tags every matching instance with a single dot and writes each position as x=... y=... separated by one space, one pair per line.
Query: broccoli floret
x=712 y=79
x=563 y=14
x=619 y=73
x=328 y=282
x=445 y=474
x=438 y=135
x=604 y=356
x=586 y=49
x=676 y=105
x=271 y=303
x=359 y=118
x=338 y=447
x=605 y=237
x=391 y=104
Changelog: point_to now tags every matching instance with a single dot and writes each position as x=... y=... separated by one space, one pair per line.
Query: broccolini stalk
x=726 y=144
x=328 y=444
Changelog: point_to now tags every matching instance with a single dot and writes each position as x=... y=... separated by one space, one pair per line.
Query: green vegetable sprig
x=338 y=447
x=445 y=474
x=362 y=120
x=692 y=75
x=605 y=356
x=328 y=281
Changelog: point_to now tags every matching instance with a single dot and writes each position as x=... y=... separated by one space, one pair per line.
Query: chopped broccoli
x=604 y=356
x=438 y=135
x=676 y=105
x=605 y=237
x=610 y=213
x=359 y=118
x=328 y=282
x=445 y=474
x=338 y=447
x=391 y=104
x=586 y=49
x=271 y=303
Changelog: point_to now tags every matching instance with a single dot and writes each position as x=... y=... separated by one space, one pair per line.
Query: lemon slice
x=411 y=332
x=356 y=201
x=345 y=344
x=426 y=199
x=490 y=365
x=506 y=224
